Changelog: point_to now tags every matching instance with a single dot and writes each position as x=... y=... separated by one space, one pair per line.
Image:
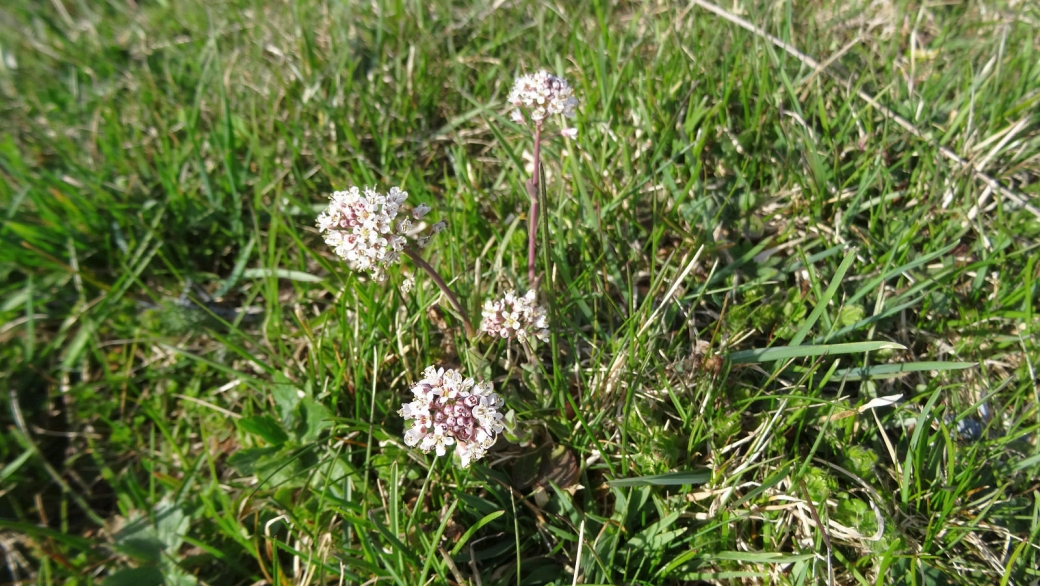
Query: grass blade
x=894 y=370
x=281 y=274
x=825 y=300
x=670 y=479
x=757 y=355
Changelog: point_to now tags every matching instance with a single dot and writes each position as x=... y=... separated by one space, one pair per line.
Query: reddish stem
x=532 y=193
x=422 y=264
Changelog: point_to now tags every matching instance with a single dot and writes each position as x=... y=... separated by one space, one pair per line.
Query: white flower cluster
x=360 y=227
x=542 y=94
x=515 y=317
x=449 y=410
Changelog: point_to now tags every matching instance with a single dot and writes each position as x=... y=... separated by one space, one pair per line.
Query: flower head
x=515 y=317
x=542 y=94
x=362 y=228
x=451 y=410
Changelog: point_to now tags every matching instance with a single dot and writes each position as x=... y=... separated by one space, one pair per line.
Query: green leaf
x=146 y=576
x=872 y=285
x=143 y=548
x=821 y=305
x=15 y=464
x=1027 y=463
x=281 y=274
x=238 y=270
x=286 y=398
x=140 y=540
x=44 y=532
x=785 y=352
x=476 y=527
x=894 y=370
x=435 y=542
x=75 y=348
x=284 y=469
x=656 y=536
x=314 y=418
x=246 y=461
x=266 y=427
x=670 y=479
x=171 y=523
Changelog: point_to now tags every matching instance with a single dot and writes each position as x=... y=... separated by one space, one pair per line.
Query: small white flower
x=515 y=317
x=358 y=226
x=420 y=211
x=571 y=133
x=452 y=410
x=361 y=227
x=542 y=94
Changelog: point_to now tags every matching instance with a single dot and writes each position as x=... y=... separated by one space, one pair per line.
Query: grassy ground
x=194 y=387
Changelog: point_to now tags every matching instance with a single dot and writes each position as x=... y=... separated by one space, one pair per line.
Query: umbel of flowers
x=515 y=316
x=451 y=410
x=542 y=94
x=362 y=228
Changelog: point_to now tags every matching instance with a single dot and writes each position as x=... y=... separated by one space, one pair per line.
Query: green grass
x=721 y=198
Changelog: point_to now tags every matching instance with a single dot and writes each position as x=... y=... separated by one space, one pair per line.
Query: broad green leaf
x=314 y=418
x=266 y=427
x=246 y=461
x=144 y=576
x=286 y=398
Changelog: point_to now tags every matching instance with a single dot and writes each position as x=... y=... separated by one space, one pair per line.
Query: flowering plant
x=362 y=228
x=539 y=96
x=515 y=316
x=368 y=230
x=451 y=410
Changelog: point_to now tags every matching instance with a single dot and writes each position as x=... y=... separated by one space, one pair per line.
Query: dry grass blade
x=946 y=152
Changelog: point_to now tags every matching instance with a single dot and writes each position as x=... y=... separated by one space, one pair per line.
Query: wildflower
x=420 y=211
x=542 y=94
x=451 y=410
x=361 y=227
x=515 y=317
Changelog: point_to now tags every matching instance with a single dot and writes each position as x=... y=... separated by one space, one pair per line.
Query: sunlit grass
x=790 y=338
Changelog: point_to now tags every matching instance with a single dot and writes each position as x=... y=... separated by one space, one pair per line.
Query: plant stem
x=532 y=220
x=422 y=264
